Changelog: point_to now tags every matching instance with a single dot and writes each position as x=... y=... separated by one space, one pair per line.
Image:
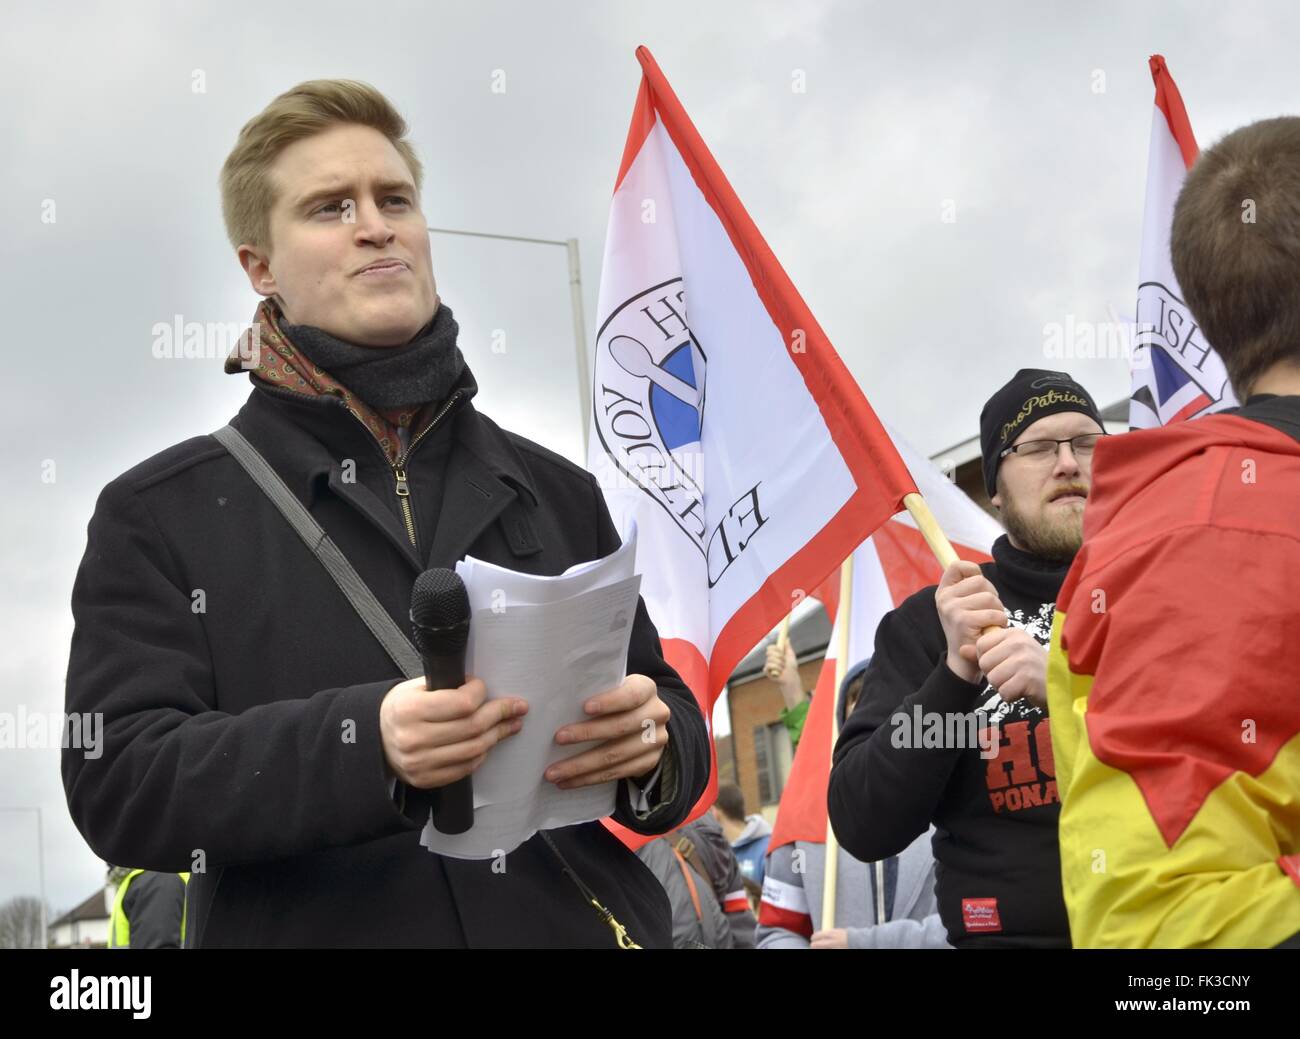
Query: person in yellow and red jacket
x=1172 y=676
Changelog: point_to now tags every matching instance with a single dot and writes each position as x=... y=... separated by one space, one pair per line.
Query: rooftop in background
x=93 y=908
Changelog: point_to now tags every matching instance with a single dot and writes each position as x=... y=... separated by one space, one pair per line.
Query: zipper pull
x=403 y=488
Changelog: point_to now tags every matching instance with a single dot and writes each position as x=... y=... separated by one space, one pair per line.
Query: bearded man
x=951 y=728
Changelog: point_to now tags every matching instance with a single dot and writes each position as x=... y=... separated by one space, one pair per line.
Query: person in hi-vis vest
x=148 y=910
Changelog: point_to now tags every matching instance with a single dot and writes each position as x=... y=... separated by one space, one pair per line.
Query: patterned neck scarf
x=277 y=362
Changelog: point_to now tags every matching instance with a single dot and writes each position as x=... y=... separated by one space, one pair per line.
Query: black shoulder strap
x=363 y=600
x=370 y=610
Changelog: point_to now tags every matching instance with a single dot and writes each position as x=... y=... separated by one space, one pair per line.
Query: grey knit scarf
x=423 y=370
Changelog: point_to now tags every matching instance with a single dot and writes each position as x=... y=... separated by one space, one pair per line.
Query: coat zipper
x=399 y=467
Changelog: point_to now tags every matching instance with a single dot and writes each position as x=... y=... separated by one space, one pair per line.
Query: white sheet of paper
x=555 y=642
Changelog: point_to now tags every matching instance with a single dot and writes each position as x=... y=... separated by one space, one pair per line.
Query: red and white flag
x=724 y=425
x=1176 y=373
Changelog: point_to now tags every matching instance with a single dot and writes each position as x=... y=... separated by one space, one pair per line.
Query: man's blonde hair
x=247 y=192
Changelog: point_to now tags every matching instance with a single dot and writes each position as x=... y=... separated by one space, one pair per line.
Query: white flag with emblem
x=723 y=422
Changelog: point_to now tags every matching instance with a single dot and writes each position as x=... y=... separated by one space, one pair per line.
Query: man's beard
x=1055 y=538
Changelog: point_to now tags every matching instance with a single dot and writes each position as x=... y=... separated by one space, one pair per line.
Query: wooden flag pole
x=782 y=640
x=945 y=554
x=844 y=618
x=930 y=529
x=934 y=536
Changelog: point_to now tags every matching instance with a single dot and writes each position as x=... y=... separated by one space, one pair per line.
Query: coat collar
x=484 y=476
x=306 y=438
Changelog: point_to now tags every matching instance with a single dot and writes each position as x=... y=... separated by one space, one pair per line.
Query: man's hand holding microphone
x=439 y=728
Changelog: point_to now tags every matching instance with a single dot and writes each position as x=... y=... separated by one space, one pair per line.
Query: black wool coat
x=241 y=693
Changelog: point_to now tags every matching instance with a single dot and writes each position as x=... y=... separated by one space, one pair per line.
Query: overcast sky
x=995 y=107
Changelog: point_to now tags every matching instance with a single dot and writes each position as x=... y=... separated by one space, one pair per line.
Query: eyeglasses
x=1042 y=450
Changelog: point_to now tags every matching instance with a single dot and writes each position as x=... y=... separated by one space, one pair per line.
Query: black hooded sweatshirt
x=910 y=754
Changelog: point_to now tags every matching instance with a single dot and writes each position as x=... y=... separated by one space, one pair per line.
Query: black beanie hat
x=1031 y=394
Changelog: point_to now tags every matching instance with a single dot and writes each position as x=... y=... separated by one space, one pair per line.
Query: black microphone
x=440 y=625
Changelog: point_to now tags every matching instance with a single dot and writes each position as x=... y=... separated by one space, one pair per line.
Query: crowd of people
x=1121 y=758
x=1128 y=646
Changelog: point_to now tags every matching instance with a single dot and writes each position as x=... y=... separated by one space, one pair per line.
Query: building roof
x=1117 y=412
x=93 y=908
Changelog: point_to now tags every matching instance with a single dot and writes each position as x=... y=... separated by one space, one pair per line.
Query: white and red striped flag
x=723 y=423
x=892 y=565
x=1176 y=373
